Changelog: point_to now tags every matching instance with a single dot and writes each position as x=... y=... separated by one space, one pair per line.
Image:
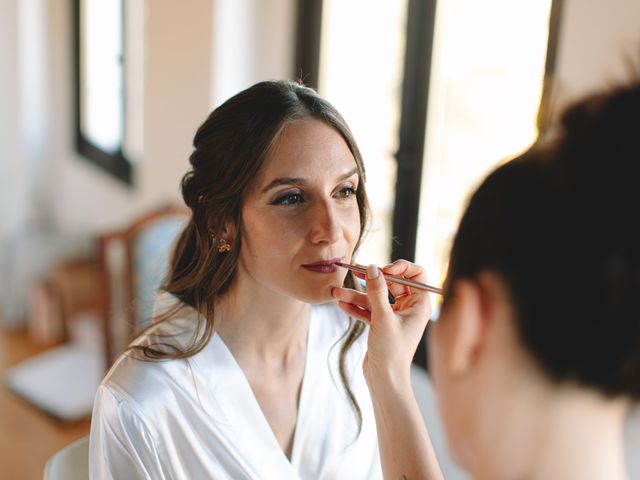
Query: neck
x=557 y=432
x=262 y=327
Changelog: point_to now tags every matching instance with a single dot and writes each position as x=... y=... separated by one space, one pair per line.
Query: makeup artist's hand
x=395 y=330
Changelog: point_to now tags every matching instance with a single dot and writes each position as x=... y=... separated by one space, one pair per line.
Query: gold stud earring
x=223 y=246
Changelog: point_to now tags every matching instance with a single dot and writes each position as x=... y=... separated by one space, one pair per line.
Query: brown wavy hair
x=229 y=150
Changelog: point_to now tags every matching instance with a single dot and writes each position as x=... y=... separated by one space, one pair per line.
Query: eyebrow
x=299 y=181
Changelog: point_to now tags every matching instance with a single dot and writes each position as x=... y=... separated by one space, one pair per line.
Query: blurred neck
x=540 y=431
x=523 y=425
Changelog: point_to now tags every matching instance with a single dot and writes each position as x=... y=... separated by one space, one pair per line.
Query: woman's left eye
x=346 y=192
x=297 y=198
x=289 y=199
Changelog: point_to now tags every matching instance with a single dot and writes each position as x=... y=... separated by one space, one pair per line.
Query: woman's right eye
x=289 y=199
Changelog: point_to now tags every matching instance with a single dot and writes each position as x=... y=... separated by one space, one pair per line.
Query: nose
x=325 y=224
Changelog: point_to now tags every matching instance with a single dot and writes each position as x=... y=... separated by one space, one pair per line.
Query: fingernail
x=333 y=290
x=372 y=271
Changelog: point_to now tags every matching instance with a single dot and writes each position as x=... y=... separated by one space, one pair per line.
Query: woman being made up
x=535 y=357
x=250 y=370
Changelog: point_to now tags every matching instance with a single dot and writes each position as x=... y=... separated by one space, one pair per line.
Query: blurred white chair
x=70 y=463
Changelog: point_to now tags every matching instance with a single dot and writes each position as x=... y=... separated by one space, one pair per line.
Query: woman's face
x=302 y=214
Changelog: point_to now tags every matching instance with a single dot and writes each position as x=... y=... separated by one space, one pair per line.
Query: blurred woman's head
x=549 y=246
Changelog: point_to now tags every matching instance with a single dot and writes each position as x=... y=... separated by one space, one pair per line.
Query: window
x=108 y=122
x=450 y=88
x=487 y=72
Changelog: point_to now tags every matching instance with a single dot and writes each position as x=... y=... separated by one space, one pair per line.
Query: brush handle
x=393 y=278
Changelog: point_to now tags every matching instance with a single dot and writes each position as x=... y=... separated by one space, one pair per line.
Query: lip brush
x=392 y=278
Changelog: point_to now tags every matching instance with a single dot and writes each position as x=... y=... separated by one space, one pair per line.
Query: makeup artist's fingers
x=395 y=288
x=359 y=275
x=398 y=290
x=413 y=272
x=353 y=303
x=395 y=331
x=377 y=292
x=406 y=269
x=346 y=295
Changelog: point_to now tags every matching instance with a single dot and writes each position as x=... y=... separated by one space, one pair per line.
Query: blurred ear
x=467 y=326
x=478 y=303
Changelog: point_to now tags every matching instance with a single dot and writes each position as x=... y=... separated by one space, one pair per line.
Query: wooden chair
x=134 y=263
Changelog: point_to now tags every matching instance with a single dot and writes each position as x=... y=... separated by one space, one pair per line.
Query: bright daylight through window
x=486 y=83
x=487 y=73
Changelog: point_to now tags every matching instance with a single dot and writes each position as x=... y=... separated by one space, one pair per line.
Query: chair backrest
x=149 y=252
x=134 y=263
x=70 y=463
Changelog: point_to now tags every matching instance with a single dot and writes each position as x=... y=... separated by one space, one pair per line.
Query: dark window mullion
x=415 y=90
x=308 y=42
x=421 y=17
x=113 y=163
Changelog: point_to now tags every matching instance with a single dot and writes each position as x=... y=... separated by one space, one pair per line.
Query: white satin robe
x=199 y=419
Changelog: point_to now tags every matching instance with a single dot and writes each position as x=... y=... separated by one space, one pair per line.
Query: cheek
x=269 y=235
x=351 y=226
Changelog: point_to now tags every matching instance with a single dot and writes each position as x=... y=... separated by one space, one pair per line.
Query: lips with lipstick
x=323 y=266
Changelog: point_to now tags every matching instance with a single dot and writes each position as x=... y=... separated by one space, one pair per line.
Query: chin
x=318 y=290
x=314 y=294
x=317 y=296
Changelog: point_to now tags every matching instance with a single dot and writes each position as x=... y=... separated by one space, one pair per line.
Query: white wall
x=598 y=39
x=186 y=61
x=253 y=40
x=13 y=192
x=175 y=100
x=12 y=167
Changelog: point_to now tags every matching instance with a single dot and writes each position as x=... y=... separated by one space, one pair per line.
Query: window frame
x=421 y=18
x=116 y=164
x=308 y=42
